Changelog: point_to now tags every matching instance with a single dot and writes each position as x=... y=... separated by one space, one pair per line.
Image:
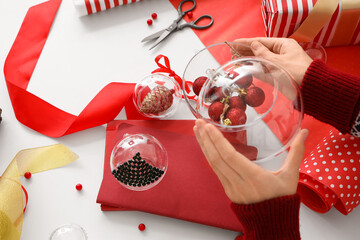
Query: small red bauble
x=27 y=175
x=215 y=110
x=189 y=14
x=154 y=16
x=141 y=227
x=237 y=102
x=149 y=22
x=236 y=116
x=245 y=81
x=78 y=187
x=255 y=96
x=198 y=83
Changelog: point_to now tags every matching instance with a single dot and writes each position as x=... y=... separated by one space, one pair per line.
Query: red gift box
x=328 y=22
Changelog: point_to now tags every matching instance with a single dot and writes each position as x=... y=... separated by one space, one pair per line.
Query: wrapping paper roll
x=87 y=7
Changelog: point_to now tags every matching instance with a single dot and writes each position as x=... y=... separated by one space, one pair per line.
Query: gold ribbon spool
x=321 y=14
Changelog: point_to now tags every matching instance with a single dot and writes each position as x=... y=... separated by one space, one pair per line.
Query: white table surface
x=80 y=57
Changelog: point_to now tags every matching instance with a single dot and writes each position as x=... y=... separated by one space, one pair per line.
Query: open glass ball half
x=255 y=103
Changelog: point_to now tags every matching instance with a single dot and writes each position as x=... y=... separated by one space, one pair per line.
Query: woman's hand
x=245 y=182
x=285 y=52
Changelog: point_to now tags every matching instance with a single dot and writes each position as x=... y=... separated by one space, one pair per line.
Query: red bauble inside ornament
x=255 y=96
x=215 y=111
x=235 y=116
x=245 y=81
x=237 y=102
x=198 y=83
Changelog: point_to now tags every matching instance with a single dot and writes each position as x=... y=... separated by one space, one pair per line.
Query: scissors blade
x=153 y=36
x=161 y=38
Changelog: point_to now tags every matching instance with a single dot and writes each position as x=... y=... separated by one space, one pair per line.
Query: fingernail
x=306 y=133
x=255 y=45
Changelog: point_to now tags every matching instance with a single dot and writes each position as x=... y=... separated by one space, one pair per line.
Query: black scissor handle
x=194 y=23
x=181 y=12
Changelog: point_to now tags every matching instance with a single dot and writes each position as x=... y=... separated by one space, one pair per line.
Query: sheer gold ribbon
x=11 y=197
x=322 y=13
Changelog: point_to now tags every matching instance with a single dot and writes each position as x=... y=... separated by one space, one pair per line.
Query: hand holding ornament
x=285 y=52
x=245 y=182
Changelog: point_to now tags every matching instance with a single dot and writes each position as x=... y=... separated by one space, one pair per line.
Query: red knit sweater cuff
x=331 y=96
x=272 y=219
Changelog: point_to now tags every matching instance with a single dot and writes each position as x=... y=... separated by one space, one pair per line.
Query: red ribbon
x=38 y=114
x=167 y=69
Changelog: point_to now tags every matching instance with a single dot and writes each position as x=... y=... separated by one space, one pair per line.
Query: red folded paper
x=329 y=175
x=190 y=190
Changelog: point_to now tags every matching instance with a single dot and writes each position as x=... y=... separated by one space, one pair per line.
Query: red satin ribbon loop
x=167 y=69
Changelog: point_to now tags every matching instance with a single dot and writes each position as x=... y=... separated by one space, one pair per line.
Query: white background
x=80 y=57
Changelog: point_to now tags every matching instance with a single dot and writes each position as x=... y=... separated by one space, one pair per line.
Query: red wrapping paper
x=190 y=190
x=330 y=174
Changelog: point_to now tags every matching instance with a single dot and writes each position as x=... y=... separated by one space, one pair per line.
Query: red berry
x=198 y=83
x=78 y=187
x=189 y=14
x=141 y=227
x=236 y=117
x=149 y=22
x=237 y=102
x=215 y=110
x=27 y=175
x=255 y=96
x=154 y=16
x=245 y=81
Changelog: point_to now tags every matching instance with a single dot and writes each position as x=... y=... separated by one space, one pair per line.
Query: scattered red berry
x=78 y=187
x=236 y=117
x=141 y=227
x=198 y=83
x=154 y=16
x=215 y=110
x=245 y=81
x=149 y=22
x=189 y=14
x=27 y=175
x=237 y=102
x=255 y=96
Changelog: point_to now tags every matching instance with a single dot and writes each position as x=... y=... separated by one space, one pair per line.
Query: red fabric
x=272 y=219
x=38 y=114
x=232 y=19
x=189 y=188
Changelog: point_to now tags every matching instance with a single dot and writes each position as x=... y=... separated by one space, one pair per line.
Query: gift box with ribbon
x=328 y=22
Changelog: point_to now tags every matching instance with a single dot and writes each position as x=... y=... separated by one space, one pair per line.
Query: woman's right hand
x=285 y=52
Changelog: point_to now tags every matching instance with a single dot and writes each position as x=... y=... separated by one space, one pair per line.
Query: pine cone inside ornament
x=157 y=100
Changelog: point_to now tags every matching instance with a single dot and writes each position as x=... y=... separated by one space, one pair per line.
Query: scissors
x=175 y=26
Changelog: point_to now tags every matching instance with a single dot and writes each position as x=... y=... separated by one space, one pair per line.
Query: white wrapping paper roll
x=87 y=7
